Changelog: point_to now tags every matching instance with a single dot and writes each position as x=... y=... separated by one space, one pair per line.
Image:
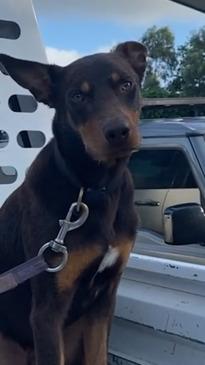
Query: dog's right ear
x=37 y=77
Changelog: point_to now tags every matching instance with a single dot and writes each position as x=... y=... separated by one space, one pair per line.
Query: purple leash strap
x=12 y=278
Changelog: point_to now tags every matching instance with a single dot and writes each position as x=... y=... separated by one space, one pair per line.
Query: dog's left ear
x=136 y=54
x=37 y=77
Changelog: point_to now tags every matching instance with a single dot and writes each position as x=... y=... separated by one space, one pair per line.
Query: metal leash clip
x=67 y=224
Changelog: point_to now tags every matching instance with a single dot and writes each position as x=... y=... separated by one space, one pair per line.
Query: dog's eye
x=78 y=97
x=125 y=86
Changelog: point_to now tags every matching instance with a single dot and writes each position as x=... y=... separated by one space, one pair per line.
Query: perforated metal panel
x=19 y=37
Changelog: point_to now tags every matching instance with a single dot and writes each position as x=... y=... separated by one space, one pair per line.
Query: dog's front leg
x=95 y=341
x=47 y=335
x=96 y=329
x=47 y=316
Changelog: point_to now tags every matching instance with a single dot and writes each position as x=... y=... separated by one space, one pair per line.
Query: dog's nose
x=118 y=134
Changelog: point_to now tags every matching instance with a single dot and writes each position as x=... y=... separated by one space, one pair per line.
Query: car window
x=161 y=169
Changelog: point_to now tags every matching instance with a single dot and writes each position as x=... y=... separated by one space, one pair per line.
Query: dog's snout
x=117 y=134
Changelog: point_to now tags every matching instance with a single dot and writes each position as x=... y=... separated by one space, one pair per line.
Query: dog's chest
x=97 y=257
x=90 y=261
x=90 y=275
x=91 y=245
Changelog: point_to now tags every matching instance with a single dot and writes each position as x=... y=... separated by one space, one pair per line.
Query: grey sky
x=125 y=11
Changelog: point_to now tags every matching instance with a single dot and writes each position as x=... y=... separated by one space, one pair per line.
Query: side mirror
x=184 y=224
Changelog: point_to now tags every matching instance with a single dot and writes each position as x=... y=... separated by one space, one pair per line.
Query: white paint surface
x=27 y=46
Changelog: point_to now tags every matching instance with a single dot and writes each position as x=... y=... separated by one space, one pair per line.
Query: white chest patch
x=109 y=259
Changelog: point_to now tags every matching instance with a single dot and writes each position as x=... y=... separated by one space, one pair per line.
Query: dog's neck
x=81 y=170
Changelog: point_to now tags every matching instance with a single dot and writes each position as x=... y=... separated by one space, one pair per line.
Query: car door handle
x=147 y=203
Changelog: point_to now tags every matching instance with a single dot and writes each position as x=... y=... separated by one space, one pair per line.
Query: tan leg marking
x=78 y=261
x=86 y=339
x=124 y=248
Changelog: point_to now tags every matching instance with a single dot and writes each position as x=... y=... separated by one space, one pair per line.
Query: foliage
x=190 y=78
x=174 y=72
x=162 y=54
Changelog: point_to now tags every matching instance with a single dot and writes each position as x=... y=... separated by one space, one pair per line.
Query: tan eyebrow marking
x=115 y=76
x=85 y=87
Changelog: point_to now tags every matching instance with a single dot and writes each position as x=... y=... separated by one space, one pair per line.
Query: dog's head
x=98 y=96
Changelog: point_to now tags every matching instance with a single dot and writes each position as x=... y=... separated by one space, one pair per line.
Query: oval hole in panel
x=2 y=69
x=9 y=30
x=8 y=175
x=31 y=139
x=4 y=139
x=22 y=103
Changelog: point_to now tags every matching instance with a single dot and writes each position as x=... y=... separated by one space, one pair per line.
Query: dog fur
x=65 y=317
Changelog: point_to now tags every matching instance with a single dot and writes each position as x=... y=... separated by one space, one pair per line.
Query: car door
x=162 y=177
x=152 y=179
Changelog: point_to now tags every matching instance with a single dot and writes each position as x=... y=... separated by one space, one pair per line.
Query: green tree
x=160 y=43
x=152 y=87
x=173 y=73
x=190 y=78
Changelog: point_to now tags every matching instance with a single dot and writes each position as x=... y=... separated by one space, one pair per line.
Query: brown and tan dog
x=65 y=317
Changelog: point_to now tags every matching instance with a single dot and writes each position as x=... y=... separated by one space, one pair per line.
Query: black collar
x=109 y=184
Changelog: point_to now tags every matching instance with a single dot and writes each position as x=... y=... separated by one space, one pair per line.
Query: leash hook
x=66 y=225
